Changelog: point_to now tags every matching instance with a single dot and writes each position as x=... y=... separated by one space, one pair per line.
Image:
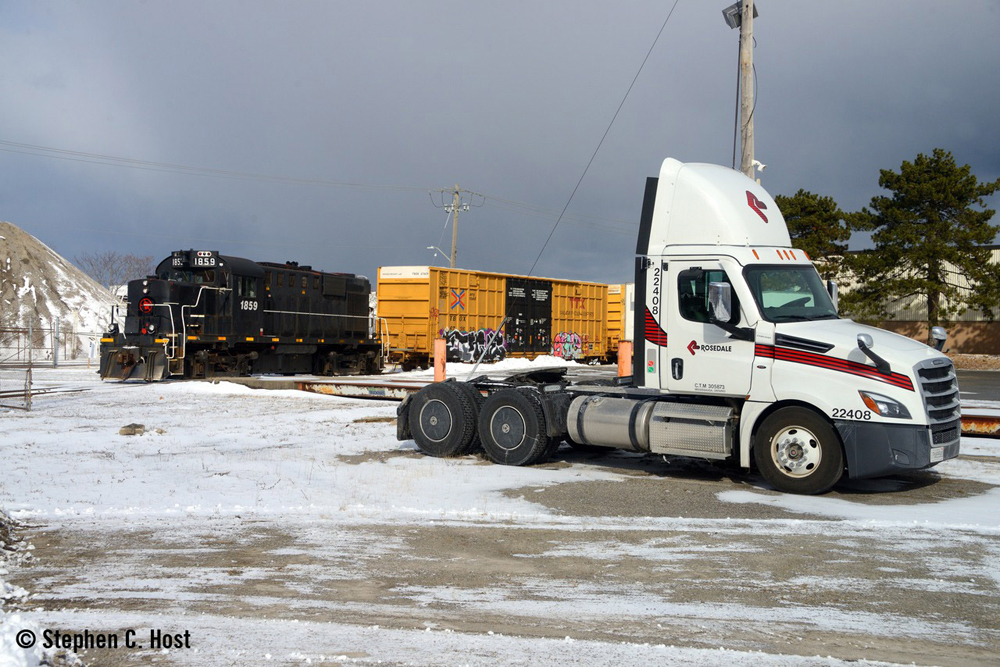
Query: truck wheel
x=442 y=420
x=797 y=451
x=512 y=427
x=476 y=400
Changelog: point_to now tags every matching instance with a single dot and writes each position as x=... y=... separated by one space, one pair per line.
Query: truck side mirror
x=940 y=336
x=720 y=302
x=831 y=287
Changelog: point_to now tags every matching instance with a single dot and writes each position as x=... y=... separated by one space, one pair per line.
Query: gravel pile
x=976 y=362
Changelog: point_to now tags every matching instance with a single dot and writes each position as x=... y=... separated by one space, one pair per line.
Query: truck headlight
x=884 y=406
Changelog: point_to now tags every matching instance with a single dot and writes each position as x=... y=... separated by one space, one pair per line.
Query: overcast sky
x=508 y=99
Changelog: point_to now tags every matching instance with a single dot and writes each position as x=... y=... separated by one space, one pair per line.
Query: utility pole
x=746 y=88
x=454 y=207
x=454 y=225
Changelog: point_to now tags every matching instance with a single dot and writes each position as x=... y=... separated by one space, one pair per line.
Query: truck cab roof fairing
x=730 y=209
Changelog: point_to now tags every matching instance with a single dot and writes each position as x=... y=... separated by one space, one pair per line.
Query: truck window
x=692 y=294
x=789 y=293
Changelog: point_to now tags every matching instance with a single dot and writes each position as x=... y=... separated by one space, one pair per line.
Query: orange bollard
x=624 y=358
x=440 y=354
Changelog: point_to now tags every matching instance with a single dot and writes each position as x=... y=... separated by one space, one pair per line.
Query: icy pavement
x=291 y=527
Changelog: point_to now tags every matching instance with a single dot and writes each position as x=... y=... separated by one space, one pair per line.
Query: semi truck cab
x=739 y=354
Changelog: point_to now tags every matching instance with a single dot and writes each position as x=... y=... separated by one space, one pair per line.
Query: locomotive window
x=267 y=278
x=305 y=282
x=281 y=279
x=315 y=282
x=247 y=287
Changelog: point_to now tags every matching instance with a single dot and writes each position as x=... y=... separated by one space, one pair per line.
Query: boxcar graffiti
x=469 y=346
x=568 y=345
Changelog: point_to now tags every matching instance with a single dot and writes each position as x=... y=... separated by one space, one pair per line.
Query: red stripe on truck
x=833 y=364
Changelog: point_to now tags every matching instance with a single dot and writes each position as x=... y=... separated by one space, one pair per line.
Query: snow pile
x=37 y=285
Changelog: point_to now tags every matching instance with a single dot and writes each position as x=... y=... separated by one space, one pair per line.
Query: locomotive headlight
x=145 y=282
x=150 y=328
x=884 y=406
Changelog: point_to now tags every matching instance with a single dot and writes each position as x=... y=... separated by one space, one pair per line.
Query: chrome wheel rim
x=796 y=451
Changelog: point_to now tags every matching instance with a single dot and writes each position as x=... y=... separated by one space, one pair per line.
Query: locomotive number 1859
x=248 y=305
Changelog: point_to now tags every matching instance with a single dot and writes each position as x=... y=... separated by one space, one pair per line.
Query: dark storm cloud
x=508 y=99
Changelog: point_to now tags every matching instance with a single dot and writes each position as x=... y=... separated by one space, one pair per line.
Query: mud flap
x=403 y=420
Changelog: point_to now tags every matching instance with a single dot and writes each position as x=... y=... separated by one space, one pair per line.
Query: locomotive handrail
x=193 y=305
x=303 y=312
x=384 y=340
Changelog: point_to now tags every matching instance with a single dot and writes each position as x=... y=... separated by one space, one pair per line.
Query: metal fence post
x=55 y=345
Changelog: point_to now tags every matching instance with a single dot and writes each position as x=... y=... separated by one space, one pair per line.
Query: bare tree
x=114 y=269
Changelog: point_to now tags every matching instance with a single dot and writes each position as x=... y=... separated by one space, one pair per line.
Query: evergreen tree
x=929 y=234
x=816 y=226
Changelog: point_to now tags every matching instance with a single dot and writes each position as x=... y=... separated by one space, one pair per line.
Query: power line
x=174 y=168
x=603 y=137
x=147 y=165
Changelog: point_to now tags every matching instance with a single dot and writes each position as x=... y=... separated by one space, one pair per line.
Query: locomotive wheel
x=512 y=428
x=797 y=451
x=443 y=420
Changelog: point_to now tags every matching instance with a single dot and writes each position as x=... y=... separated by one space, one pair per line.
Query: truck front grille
x=939 y=388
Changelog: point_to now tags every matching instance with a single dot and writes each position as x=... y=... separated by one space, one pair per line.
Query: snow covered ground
x=224 y=464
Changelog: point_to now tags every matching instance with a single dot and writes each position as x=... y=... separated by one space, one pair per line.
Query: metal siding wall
x=914 y=309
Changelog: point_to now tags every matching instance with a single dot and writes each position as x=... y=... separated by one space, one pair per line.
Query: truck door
x=701 y=358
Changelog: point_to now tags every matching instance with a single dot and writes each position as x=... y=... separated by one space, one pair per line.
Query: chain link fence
x=23 y=350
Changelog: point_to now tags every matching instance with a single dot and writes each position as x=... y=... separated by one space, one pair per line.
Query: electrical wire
x=147 y=165
x=603 y=137
x=35 y=150
x=562 y=213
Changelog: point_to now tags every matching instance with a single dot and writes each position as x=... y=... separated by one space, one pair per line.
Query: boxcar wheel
x=512 y=428
x=443 y=420
x=797 y=451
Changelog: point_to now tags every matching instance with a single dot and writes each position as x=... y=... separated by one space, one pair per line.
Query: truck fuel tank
x=660 y=427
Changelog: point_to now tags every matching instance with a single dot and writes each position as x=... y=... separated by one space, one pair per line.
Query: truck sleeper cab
x=739 y=355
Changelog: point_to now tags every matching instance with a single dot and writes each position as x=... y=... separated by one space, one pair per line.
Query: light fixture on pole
x=437 y=250
x=732 y=14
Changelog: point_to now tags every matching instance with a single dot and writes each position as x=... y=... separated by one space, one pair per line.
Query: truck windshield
x=789 y=293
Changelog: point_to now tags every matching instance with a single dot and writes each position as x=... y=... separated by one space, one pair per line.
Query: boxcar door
x=529 y=309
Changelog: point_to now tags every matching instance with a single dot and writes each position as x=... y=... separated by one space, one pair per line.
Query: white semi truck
x=739 y=355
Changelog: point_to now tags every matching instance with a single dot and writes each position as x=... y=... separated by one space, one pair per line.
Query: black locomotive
x=204 y=314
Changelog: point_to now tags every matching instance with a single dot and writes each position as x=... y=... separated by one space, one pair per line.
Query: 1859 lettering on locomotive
x=204 y=314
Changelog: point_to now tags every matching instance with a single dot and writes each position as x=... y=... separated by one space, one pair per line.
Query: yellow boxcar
x=417 y=304
x=616 y=318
